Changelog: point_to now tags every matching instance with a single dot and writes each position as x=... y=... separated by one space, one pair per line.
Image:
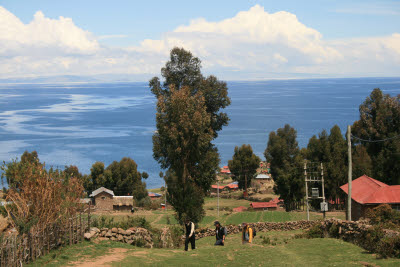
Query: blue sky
x=114 y=31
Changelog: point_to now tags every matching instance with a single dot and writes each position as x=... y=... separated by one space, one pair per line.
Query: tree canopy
x=188 y=118
x=243 y=165
x=286 y=165
x=380 y=120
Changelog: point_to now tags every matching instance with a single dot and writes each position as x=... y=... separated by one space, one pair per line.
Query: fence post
x=89 y=218
x=80 y=227
x=70 y=232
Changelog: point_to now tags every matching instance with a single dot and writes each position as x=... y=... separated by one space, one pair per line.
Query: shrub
x=314 y=232
x=383 y=214
x=176 y=235
x=108 y=222
x=389 y=247
x=333 y=231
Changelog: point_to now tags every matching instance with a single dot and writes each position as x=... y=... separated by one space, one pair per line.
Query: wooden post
x=305 y=179
x=80 y=227
x=89 y=218
x=70 y=232
x=323 y=187
x=350 y=174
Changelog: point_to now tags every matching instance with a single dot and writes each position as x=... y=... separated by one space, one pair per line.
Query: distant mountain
x=100 y=78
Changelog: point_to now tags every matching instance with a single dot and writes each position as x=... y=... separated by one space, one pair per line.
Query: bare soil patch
x=116 y=254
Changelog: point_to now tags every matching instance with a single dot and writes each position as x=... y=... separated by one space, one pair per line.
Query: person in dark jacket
x=220 y=234
x=190 y=235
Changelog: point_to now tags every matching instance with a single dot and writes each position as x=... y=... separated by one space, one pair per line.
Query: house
x=264 y=205
x=102 y=198
x=214 y=188
x=123 y=203
x=154 y=195
x=239 y=209
x=278 y=201
x=368 y=193
x=225 y=170
x=232 y=187
x=263 y=178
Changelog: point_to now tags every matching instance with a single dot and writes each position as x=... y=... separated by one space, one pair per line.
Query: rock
x=87 y=236
x=114 y=230
x=95 y=229
x=120 y=237
x=128 y=232
x=108 y=234
x=121 y=231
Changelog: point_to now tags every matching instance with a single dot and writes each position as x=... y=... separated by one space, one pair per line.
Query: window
x=103 y=198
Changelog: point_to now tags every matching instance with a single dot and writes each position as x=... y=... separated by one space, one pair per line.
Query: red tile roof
x=260 y=205
x=366 y=190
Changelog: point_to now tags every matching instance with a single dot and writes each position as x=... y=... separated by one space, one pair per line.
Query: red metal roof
x=366 y=190
x=259 y=205
x=232 y=186
x=216 y=186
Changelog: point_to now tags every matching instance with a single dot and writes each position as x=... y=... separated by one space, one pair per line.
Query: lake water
x=80 y=123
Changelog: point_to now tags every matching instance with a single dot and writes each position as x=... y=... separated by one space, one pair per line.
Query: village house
x=104 y=200
x=263 y=178
x=264 y=205
x=225 y=170
x=154 y=195
x=214 y=188
x=232 y=187
x=368 y=193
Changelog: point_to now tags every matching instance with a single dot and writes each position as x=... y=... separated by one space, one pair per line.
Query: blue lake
x=80 y=123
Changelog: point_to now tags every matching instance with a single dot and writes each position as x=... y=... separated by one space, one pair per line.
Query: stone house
x=102 y=199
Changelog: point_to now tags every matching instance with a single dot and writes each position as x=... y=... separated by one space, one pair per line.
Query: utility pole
x=245 y=183
x=323 y=187
x=165 y=193
x=217 y=197
x=350 y=174
x=305 y=179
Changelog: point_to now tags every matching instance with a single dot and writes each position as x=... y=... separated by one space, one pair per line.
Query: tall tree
x=188 y=118
x=286 y=165
x=243 y=165
x=380 y=120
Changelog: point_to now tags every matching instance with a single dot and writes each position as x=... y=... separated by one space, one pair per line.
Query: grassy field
x=282 y=250
x=158 y=218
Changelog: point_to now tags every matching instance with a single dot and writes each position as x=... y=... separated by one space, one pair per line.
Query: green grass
x=283 y=250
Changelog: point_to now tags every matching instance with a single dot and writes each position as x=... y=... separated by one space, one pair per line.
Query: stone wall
x=132 y=236
x=260 y=227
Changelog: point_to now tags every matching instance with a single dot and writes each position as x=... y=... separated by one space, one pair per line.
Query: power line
x=376 y=141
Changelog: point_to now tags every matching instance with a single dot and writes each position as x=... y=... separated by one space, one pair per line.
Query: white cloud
x=252 y=44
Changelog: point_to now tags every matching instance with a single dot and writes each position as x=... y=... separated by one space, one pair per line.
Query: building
x=214 y=188
x=102 y=199
x=123 y=203
x=263 y=178
x=368 y=193
x=278 y=201
x=264 y=205
x=232 y=187
x=225 y=170
x=154 y=195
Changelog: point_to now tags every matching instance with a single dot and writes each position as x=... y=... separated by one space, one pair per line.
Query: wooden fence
x=16 y=250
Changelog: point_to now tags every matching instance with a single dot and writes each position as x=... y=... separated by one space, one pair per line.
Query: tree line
x=122 y=177
x=375 y=151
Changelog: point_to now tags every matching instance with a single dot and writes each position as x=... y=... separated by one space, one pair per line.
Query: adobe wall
x=105 y=204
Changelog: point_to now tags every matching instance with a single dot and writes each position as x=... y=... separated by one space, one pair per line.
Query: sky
x=236 y=40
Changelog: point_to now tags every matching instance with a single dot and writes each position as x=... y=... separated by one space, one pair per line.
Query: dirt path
x=116 y=254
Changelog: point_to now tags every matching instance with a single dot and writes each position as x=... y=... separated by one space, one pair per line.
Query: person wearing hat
x=247 y=234
x=190 y=235
x=220 y=234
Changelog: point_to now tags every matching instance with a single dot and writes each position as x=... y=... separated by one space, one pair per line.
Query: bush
x=314 y=232
x=389 y=247
x=3 y=211
x=383 y=214
x=108 y=222
x=176 y=234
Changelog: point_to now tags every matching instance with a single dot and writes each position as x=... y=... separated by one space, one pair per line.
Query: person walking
x=220 y=234
x=190 y=235
x=247 y=234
